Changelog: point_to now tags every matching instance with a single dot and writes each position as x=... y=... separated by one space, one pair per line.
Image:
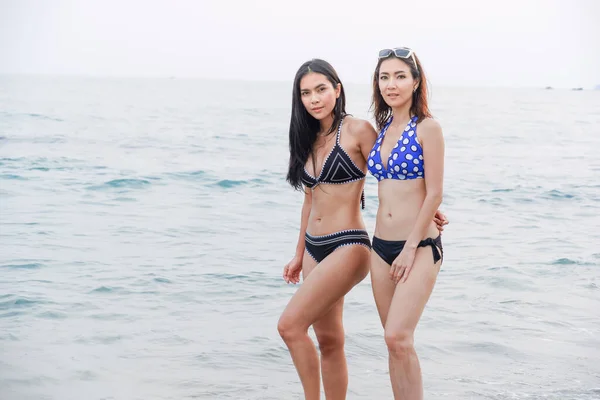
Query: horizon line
x=202 y=78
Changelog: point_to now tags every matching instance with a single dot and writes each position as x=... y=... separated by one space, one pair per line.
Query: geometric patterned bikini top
x=338 y=168
x=405 y=160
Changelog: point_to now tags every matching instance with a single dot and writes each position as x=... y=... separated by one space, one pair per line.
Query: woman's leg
x=383 y=287
x=406 y=308
x=329 y=330
x=319 y=299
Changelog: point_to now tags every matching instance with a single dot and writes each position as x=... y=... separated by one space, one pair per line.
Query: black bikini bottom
x=319 y=247
x=388 y=250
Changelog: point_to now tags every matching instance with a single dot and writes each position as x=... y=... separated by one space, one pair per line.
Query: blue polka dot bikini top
x=405 y=160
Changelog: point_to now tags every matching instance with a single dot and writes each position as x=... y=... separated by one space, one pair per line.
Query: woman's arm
x=304 y=222
x=365 y=137
x=291 y=272
x=432 y=141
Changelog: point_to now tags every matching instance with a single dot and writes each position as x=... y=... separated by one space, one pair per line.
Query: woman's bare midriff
x=399 y=206
x=335 y=208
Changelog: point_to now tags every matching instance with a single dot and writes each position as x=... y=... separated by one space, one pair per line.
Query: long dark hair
x=419 y=106
x=303 y=126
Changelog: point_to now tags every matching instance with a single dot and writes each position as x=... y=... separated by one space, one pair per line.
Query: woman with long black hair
x=328 y=149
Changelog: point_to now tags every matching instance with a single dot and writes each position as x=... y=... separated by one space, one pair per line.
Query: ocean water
x=144 y=225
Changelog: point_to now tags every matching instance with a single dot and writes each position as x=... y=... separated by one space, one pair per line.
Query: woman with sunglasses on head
x=408 y=162
x=328 y=161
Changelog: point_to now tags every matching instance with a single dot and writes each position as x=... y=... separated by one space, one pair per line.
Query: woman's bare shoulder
x=359 y=127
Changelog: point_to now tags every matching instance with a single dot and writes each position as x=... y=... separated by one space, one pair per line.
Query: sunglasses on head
x=400 y=52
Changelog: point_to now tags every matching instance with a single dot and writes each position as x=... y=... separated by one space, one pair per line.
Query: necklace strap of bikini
x=387 y=125
x=339 y=130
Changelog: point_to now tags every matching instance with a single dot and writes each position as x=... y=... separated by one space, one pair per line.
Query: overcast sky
x=460 y=42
